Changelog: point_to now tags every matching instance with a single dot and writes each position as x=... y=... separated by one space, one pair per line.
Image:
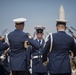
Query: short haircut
x=19 y=23
x=58 y=23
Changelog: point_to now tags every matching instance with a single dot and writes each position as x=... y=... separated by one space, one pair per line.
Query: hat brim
x=19 y=20
x=64 y=21
x=40 y=28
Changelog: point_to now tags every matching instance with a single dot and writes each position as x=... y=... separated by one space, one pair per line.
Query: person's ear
x=65 y=28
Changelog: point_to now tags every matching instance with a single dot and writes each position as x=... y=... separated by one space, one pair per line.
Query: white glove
x=2 y=57
x=30 y=36
x=30 y=70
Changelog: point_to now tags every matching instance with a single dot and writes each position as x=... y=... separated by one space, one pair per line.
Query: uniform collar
x=61 y=32
x=17 y=30
x=40 y=40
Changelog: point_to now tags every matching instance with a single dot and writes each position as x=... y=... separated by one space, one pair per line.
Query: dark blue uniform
x=18 y=52
x=59 y=62
x=28 y=57
x=4 y=65
x=37 y=64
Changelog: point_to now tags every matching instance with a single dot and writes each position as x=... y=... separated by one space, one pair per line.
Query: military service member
x=37 y=64
x=61 y=44
x=16 y=39
x=4 y=65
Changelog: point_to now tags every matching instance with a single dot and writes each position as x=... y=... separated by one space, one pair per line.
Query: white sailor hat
x=62 y=16
x=39 y=29
x=19 y=20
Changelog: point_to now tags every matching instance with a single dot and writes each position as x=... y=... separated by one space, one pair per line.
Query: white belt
x=39 y=56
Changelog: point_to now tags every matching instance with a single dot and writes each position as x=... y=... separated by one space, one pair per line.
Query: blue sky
x=37 y=12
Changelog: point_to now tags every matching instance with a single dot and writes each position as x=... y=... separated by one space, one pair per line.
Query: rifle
x=71 y=32
x=3 y=33
x=4 y=55
x=73 y=28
